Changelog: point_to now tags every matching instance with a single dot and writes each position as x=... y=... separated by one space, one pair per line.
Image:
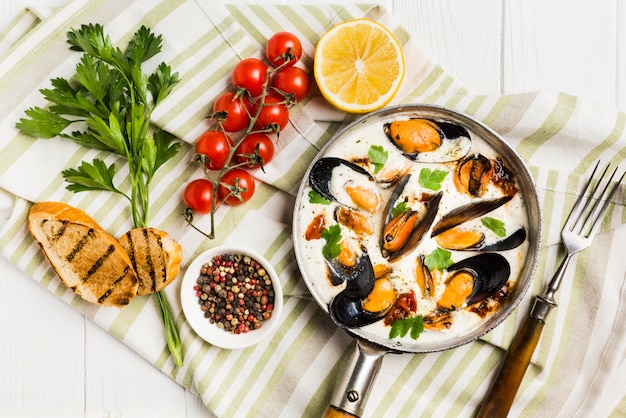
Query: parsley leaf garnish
x=315 y=197
x=332 y=236
x=496 y=225
x=378 y=156
x=431 y=179
x=401 y=327
x=399 y=209
x=438 y=260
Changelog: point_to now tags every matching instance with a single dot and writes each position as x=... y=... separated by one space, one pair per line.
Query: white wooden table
x=55 y=363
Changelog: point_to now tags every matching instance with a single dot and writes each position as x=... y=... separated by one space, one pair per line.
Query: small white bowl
x=211 y=333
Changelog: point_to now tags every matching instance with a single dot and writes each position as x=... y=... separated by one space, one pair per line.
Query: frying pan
x=352 y=390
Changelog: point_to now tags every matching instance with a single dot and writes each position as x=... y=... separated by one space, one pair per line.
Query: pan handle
x=354 y=387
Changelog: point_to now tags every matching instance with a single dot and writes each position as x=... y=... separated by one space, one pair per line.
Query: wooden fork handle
x=503 y=389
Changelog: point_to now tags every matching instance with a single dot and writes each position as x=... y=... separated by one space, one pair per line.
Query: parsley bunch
x=109 y=102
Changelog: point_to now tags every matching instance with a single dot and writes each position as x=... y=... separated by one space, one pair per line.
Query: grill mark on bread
x=149 y=263
x=131 y=250
x=99 y=262
x=57 y=234
x=80 y=244
x=163 y=261
x=115 y=283
x=149 y=251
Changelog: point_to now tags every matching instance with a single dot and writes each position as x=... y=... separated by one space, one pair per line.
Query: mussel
x=424 y=277
x=347 y=267
x=427 y=140
x=472 y=175
x=474 y=279
x=514 y=240
x=462 y=239
x=402 y=231
x=467 y=212
x=459 y=239
x=321 y=179
x=390 y=173
x=347 y=307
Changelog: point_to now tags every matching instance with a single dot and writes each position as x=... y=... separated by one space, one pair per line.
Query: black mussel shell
x=359 y=278
x=321 y=174
x=349 y=313
x=514 y=240
x=346 y=308
x=491 y=271
x=467 y=212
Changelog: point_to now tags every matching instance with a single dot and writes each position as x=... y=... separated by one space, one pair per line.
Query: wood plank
x=42 y=350
x=620 y=60
x=463 y=37
x=119 y=382
x=561 y=45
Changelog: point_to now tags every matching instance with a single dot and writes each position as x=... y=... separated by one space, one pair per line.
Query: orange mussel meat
x=363 y=198
x=382 y=297
x=399 y=230
x=414 y=135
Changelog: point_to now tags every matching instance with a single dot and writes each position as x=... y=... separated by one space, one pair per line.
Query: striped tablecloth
x=579 y=367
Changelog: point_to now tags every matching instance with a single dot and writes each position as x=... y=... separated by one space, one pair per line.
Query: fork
x=578 y=232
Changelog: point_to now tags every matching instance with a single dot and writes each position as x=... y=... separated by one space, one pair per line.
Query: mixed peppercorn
x=235 y=292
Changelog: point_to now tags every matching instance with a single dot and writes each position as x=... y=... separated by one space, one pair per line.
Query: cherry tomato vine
x=245 y=119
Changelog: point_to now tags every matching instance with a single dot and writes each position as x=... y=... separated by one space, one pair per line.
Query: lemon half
x=358 y=65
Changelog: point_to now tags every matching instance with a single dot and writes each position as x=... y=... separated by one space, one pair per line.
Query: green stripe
x=327 y=387
x=226 y=385
x=301 y=348
x=21 y=15
x=554 y=123
x=549 y=331
x=620 y=409
x=125 y=319
x=427 y=377
x=212 y=78
x=427 y=83
x=475 y=104
x=454 y=100
x=589 y=160
x=496 y=110
x=441 y=90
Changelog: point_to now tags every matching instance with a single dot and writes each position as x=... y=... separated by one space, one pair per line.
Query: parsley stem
x=171 y=331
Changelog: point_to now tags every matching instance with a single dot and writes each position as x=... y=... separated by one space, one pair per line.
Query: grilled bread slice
x=155 y=256
x=87 y=259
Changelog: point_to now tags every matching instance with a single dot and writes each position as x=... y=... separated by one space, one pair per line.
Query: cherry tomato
x=274 y=114
x=236 y=187
x=214 y=146
x=198 y=196
x=236 y=109
x=292 y=80
x=282 y=46
x=247 y=151
x=250 y=74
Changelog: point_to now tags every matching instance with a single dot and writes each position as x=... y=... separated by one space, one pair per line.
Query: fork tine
x=574 y=214
x=582 y=222
x=598 y=217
